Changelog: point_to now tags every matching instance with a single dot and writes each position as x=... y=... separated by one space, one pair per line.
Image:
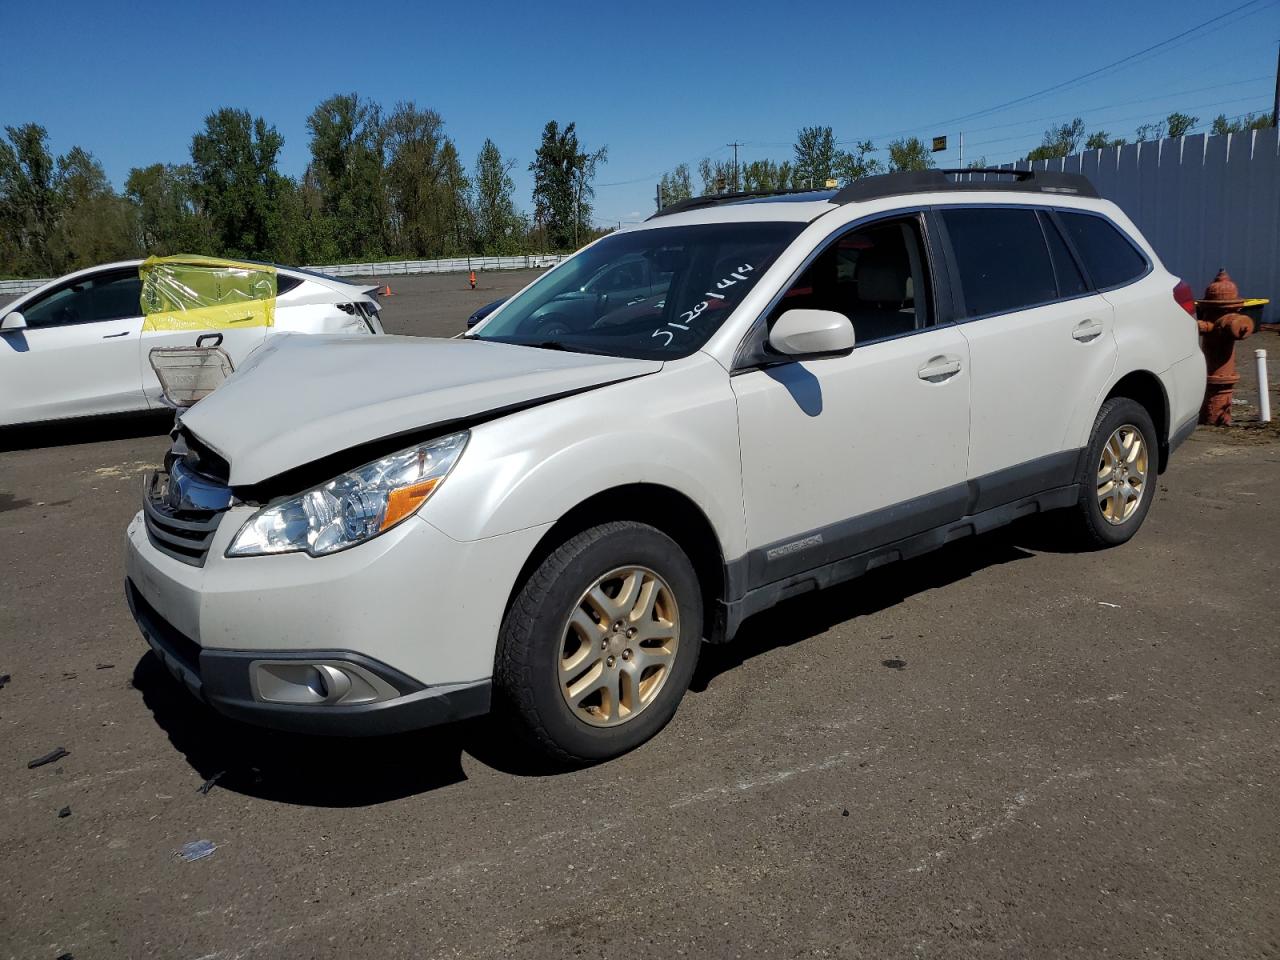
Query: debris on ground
x=106 y=666
x=1113 y=606
x=196 y=850
x=894 y=664
x=49 y=757
x=845 y=813
x=64 y=812
x=4 y=680
x=205 y=787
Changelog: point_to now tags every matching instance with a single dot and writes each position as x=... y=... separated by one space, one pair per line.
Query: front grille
x=182 y=511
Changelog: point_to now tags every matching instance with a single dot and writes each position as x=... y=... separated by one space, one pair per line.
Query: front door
x=78 y=353
x=846 y=454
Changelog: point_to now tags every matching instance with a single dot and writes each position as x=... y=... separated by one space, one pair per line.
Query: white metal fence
x=1203 y=202
x=394 y=268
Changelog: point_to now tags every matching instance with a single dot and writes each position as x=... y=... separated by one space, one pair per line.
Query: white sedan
x=77 y=346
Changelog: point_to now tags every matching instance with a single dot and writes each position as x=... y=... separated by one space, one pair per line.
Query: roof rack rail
x=972 y=178
x=714 y=199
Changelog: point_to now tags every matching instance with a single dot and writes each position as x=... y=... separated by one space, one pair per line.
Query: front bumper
x=221 y=678
x=413 y=610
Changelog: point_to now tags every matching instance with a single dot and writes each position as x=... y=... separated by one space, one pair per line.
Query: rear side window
x=1107 y=254
x=1002 y=259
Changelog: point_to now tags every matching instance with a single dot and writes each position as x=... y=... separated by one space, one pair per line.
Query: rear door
x=78 y=355
x=1042 y=345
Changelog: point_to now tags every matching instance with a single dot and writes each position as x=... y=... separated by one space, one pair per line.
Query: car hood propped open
x=298 y=399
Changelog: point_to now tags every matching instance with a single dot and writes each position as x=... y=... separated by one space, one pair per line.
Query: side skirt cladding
x=849 y=548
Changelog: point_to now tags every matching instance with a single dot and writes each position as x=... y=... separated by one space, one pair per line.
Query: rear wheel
x=1118 y=476
x=601 y=642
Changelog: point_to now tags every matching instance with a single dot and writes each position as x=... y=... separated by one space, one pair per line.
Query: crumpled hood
x=299 y=398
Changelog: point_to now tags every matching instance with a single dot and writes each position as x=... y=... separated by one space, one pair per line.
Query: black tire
x=526 y=682
x=1085 y=527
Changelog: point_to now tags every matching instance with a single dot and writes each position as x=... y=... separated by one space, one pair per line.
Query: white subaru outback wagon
x=550 y=515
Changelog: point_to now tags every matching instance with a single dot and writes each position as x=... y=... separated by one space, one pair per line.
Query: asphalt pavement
x=997 y=751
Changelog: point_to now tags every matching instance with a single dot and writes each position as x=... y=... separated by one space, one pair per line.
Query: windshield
x=655 y=294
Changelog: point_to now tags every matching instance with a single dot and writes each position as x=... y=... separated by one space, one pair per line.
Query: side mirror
x=812 y=333
x=13 y=321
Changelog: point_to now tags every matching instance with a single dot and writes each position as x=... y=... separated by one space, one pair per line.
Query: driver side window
x=90 y=300
x=874 y=274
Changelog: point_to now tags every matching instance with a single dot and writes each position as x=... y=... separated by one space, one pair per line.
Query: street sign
x=939 y=144
x=832 y=183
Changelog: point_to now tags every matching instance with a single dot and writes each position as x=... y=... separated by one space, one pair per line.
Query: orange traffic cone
x=472 y=278
x=386 y=291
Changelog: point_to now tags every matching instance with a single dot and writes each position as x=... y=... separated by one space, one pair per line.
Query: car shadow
x=808 y=615
x=352 y=772
x=58 y=433
x=320 y=771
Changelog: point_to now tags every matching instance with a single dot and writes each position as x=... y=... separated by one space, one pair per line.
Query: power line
x=1103 y=69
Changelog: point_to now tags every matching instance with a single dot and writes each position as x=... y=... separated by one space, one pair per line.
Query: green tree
x=237 y=185
x=909 y=153
x=676 y=185
x=96 y=225
x=1179 y=124
x=30 y=202
x=765 y=175
x=1150 y=131
x=348 y=159
x=1061 y=140
x=426 y=184
x=815 y=157
x=168 y=221
x=716 y=175
x=499 y=228
x=857 y=163
x=1250 y=121
x=563 y=172
x=1101 y=140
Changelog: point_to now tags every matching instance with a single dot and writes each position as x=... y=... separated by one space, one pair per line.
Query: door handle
x=939 y=369
x=1087 y=330
x=112 y=336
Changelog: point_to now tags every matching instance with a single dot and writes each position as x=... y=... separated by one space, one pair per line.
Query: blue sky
x=658 y=83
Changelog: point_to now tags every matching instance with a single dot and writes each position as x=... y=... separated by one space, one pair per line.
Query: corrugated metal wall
x=1203 y=202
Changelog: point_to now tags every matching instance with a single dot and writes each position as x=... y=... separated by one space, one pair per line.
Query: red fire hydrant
x=1220 y=327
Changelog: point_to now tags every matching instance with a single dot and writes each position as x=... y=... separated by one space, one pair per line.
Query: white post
x=1264 y=389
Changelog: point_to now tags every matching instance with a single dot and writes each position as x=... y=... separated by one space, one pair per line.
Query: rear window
x=1107 y=254
x=1002 y=259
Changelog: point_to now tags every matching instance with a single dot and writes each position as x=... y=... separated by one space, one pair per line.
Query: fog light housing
x=317 y=683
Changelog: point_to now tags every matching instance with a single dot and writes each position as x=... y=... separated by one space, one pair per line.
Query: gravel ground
x=996 y=751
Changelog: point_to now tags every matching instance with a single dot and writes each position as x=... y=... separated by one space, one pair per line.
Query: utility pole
x=736 y=186
x=962 y=149
x=659 y=196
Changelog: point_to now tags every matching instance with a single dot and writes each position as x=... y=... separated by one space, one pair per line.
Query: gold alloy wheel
x=619 y=646
x=1122 y=474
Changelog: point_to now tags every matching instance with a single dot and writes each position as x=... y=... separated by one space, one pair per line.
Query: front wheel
x=601 y=642
x=1118 y=477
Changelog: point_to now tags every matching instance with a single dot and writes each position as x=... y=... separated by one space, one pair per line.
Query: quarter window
x=875 y=275
x=1107 y=254
x=1002 y=259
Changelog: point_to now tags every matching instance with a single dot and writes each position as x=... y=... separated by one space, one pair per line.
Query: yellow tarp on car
x=189 y=292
